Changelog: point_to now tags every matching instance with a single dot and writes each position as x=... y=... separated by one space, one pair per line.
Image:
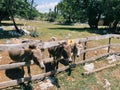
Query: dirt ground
x=6 y=75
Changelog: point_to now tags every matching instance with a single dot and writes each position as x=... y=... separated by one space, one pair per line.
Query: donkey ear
x=79 y=42
x=53 y=38
x=65 y=44
x=59 y=43
x=32 y=46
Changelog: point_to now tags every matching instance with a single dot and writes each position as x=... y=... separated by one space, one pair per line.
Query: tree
x=14 y=8
x=94 y=11
x=112 y=13
x=52 y=15
x=90 y=11
x=81 y=11
x=65 y=8
x=10 y=10
x=3 y=13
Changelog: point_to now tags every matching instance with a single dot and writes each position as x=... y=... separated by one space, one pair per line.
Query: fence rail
x=47 y=60
x=44 y=45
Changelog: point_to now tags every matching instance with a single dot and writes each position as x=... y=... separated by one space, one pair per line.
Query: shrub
x=34 y=34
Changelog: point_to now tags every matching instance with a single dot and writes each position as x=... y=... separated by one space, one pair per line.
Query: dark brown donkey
x=62 y=50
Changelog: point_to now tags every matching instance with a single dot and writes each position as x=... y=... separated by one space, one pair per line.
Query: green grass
x=89 y=82
x=47 y=30
x=77 y=81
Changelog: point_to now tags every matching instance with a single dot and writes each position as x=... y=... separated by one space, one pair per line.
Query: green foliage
x=112 y=11
x=18 y=8
x=34 y=34
x=68 y=10
x=60 y=19
x=51 y=16
x=79 y=10
x=89 y=11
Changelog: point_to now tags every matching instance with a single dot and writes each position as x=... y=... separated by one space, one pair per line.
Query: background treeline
x=66 y=12
x=9 y=9
x=90 y=11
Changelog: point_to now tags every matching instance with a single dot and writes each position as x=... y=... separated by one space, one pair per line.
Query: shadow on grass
x=17 y=74
x=65 y=24
x=9 y=34
x=10 y=24
x=100 y=31
x=50 y=66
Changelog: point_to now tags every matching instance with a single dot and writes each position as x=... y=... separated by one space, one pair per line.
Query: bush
x=34 y=34
x=60 y=19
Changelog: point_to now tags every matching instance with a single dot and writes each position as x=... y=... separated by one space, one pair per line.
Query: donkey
x=76 y=49
x=33 y=52
x=62 y=50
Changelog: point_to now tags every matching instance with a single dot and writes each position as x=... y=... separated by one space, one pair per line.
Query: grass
x=47 y=30
x=90 y=82
x=75 y=81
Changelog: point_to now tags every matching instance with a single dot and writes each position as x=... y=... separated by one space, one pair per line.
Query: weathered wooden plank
x=85 y=47
x=48 y=60
x=50 y=44
x=46 y=45
x=109 y=45
x=95 y=58
x=5 y=47
x=99 y=47
x=40 y=76
x=13 y=65
x=22 y=46
x=100 y=69
x=115 y=36
x=32 y=78
x=20 y=64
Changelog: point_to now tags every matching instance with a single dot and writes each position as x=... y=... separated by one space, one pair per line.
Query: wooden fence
x=45 y=45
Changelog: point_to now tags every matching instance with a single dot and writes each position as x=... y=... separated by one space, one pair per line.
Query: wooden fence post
x=109 y=43
x=43 y=57
x=85 y=47
x=43 y=53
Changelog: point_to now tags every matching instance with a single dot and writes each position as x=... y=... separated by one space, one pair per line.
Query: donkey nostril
x=77 y=55
x=42 y=66
x=70 y=60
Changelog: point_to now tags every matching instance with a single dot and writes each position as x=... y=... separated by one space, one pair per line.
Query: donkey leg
x=54 y=65
x=29 y=71
x=44 y=70
x=74 y=57
x=69 y=69
x=23 y=69
x=42 y=65
x=57 y=63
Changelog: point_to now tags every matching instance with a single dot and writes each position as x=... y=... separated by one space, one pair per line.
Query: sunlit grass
x=47 y=30
x=75 y=81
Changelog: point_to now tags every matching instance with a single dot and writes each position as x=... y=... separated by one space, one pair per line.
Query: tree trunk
x=30 y=13
x=69 y=19
x=12 y=17
x=0 y=22
x=98 y=19
x=93 y=21
x=1 y=16
x=113 y=25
